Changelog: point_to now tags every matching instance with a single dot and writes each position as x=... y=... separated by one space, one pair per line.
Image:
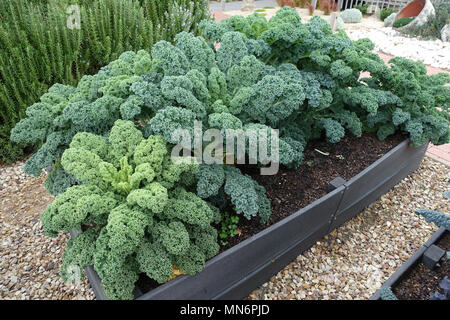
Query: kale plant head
x=135 y=206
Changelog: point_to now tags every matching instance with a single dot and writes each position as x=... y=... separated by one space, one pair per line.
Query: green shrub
x=10 y=151
x=351 y=15
x=432 y=28
x=37 y=49
x=138 y=214
x=362 y=7
x=402 y=22
x=302 y=3
x=384 y=13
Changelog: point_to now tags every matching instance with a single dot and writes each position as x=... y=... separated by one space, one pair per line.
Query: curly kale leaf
x=168 y=120
x=78 y=254
x=274 y=99
x=247 y=196
x=58 y=180
x=155 y=261
x=333 y=129
x=210 y=180
x=197 y=51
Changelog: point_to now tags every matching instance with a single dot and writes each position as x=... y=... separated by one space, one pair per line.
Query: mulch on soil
x=421 y=281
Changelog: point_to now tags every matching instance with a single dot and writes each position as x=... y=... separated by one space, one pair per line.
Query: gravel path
x=351 y=263
x=354 y=260
x=29 y=261
x=435 y=53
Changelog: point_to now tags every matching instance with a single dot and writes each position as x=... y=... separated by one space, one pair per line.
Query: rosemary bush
x=37 y=49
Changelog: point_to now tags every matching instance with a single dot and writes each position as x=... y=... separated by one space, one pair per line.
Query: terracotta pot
x=420 y=9
x=411 y=10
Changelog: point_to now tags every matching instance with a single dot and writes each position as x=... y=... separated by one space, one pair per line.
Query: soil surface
x=421 y=281
x=290 y=190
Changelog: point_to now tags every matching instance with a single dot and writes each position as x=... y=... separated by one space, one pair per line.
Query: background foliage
x=37 y=49
x=362 y=7
x=386 y=12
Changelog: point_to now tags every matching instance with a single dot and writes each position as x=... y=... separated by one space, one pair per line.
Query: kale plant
x=134 y=208
x=396 y=97
x=402 y=22
x=93 y=106
x=164 y=91
x=301 y=79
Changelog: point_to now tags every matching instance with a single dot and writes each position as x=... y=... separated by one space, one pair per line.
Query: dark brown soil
x=291 y=190
x=421 y=281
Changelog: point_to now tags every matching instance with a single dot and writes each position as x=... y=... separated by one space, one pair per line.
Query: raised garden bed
x=235 y=272
x=413 y=280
